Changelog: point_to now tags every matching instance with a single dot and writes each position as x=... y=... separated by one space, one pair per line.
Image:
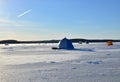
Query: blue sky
x=55 y=19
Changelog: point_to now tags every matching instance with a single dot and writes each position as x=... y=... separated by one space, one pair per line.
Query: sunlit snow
x=94 y=62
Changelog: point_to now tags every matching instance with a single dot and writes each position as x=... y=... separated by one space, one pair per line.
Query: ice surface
x=94 y=62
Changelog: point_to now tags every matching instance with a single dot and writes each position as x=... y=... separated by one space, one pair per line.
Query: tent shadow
x=76 y=49
x=84 y=49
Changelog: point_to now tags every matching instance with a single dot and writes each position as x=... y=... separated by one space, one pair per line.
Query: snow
x=94 y=62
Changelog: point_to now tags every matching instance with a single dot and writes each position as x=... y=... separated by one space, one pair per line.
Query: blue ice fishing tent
x=65 y=44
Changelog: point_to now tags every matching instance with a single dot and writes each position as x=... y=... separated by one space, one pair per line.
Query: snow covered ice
x=94 y=62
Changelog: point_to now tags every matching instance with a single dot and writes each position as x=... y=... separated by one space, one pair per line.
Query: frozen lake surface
x=94 y=62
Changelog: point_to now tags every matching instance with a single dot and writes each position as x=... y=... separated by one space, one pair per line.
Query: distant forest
x=55 y=41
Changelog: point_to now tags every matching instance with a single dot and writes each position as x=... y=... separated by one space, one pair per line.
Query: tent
x=80 y=42
x=87 y=42
x=109 y=43
x=65 y=44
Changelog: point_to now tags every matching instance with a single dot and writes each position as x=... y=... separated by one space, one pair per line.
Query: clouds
x=7 y=22
x=24 y=13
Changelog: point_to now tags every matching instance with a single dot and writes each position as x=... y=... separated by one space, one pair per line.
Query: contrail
x=22 y=14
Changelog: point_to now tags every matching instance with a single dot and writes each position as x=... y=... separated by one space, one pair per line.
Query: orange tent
x=109 y=43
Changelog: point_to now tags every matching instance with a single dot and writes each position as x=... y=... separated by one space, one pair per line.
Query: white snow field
x=94 y=62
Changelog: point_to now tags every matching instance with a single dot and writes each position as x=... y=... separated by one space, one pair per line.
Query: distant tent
x=6 y=44
x=65 y=44
x=109 y=43
x=80 y=42
x=87 y=42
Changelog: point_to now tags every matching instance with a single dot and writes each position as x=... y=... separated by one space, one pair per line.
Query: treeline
x=22 y=42
x=55 y=41
x=93 y=40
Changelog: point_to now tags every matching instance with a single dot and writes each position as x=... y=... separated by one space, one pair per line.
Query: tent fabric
x=65 y=44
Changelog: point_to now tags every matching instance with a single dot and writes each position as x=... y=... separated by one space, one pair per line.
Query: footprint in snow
x=108 y=54
x=52 y=62
x=94 y=62
x=74 y=68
